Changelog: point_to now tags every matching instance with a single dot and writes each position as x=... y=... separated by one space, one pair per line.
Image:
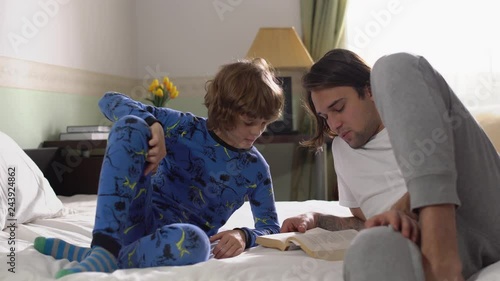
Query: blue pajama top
x=202 y=180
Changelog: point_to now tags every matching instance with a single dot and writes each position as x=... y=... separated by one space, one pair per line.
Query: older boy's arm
x=403 y=205
x=333 y=223
x=439 y=243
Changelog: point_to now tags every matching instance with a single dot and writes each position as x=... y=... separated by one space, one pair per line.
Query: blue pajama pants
x=128 y=223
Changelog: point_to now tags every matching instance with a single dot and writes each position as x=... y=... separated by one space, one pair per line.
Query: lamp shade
x=281 y=47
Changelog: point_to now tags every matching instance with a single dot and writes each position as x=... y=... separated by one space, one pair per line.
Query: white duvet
x=75 y=225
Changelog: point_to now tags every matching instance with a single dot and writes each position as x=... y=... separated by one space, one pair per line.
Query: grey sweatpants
x=445 y=157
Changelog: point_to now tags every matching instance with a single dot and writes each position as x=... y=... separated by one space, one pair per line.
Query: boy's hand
x=300 y=223
x=157 y=150
x=403 y=205
x=399 y=221
x=231 y=244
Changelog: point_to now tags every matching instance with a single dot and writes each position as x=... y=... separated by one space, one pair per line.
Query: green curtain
x=322 y=30
x=322 y=25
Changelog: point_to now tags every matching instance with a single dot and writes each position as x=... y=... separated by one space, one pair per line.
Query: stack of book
x=92 y=132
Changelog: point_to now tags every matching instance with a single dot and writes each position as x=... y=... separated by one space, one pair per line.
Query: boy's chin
x=245 y=145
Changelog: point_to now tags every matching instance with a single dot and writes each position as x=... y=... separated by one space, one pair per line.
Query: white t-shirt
x=369 y=177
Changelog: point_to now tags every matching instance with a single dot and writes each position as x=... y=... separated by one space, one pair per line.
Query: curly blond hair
x=246 y=87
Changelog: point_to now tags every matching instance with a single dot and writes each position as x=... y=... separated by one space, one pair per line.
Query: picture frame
x=284 y=125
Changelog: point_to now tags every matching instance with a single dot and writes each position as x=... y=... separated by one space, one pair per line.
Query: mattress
x=74 y=224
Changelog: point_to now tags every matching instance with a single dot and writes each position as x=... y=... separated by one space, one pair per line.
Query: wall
x=192 y=38
x=91 y=35
x=56 y=58
x=26 y=119
x=38 y=100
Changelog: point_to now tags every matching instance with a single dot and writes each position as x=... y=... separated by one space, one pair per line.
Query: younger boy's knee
x=131 y=121
x=192 y=244
x=130 y=128
x=170 y=245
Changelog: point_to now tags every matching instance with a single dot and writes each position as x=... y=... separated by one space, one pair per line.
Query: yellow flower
x=162 y=93
x=158 y=92
x=169 y=86
x=154 y=84
x=174 y=93
x=166 y=81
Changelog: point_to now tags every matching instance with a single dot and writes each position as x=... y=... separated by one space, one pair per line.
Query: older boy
x=403 y=113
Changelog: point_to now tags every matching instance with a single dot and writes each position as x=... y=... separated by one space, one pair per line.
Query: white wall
x=193 y=38
x=133 y=37
x=92 y=35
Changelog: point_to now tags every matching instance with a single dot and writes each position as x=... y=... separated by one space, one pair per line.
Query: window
x=459 y=38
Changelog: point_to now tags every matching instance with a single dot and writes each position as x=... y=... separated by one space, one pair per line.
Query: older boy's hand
x=403 y=205
x=399 y=221
x=300 y=223
x=157 y=150
x=231 y=244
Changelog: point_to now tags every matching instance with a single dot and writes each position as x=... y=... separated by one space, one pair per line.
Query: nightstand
x=77 y=166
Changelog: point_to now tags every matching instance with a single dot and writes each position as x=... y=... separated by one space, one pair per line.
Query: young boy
x=170 y=179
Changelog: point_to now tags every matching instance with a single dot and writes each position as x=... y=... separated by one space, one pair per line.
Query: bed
x=75 y=225
x=71 y=218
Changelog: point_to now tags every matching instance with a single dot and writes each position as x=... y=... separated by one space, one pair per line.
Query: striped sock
x=99 y=260
x=60 y=249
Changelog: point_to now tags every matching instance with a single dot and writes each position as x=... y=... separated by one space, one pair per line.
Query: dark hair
x=338 y=67
x=246 y=87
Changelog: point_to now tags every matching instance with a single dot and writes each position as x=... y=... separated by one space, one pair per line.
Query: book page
x=282 y=237
x=279 y=241
x=324 y=240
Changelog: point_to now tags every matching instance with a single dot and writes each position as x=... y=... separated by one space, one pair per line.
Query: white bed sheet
x=75 y=225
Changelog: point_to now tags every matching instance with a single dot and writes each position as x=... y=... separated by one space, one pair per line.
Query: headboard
x=491 y=125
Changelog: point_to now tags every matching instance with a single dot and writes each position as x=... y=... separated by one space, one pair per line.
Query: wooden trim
x=30 y=75
x=23 y=74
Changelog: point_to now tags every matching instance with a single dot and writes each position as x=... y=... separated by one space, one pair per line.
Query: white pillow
x=34 y=197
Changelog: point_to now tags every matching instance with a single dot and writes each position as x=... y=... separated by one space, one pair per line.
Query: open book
x=317 y=242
